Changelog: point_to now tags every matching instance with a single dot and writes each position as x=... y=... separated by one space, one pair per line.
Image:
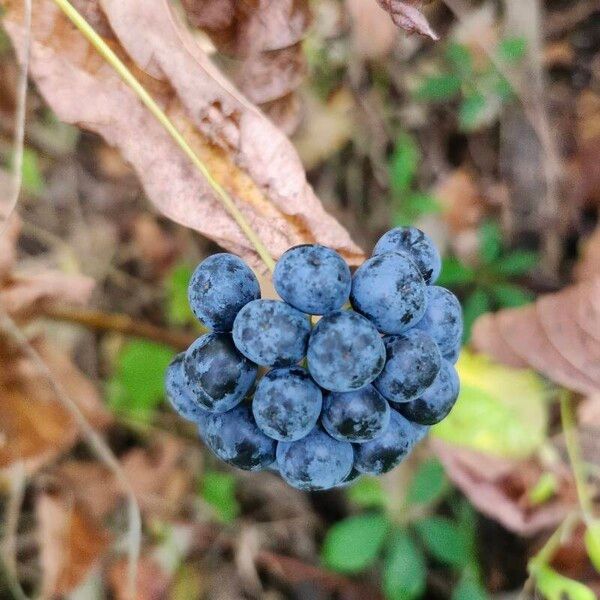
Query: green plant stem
x=127 y=76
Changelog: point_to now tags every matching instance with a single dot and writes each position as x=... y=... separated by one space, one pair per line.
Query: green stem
x=127 y=76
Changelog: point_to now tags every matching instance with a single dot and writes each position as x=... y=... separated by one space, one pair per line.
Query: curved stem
x=127 y=76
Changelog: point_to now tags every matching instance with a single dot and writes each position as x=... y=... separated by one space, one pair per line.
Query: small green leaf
x=469 y=589
x=438 y=88
x=517 y=263
x=543 y=490
x=490 y=242
x=404 y=163
x=443 y=539
x=461 y=59
x=592 y=543
x=353 y=544
x=477 y=304
x=367 y=492
x=512 y=49
x=137 y=387
x=428 y=484
x=471 y=110
x=218 y=490
x=178 y=307
x=454 y=272
x=404 y=568
x=33 y=181
x=509 y=295
x=557 y=587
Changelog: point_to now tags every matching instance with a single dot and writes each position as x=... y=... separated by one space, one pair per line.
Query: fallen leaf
x=408 y=16
x=559 y=336
x=373 y=33
x=71 y=543
x=252 y=159
x=152 y=582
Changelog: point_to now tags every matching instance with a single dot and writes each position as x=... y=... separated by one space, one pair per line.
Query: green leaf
x=33 y=181
x=367 y=492
x=477 y=304
x=414 y=205
x=512 y=49
x=353 y=544
x=592 y=543
x=404 y=568
x=468 y=589
x=404 y=163
x=444 y=540
x=178 y=307
x=437 y=88
x=500 y=410
x=471 y=110
x=454 y=272
x=461 y=59
x=490 y=242
x=517 y=263
x=137 y=386
x=509 y=295
x=557 y=587
x=218 y=490
x=543 y=490
x=428 y=484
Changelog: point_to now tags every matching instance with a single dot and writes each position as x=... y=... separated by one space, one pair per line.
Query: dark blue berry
x=216 y=374
x=345 y=352
x=389 y=290
x=437 y=401
x=453 y=355
x=316 y=462
x=358 y=416
x=287 y=403
x=234 y=437
x=413 y=361
x=388 y=450
x=443 y=318
x=313 y=279
x=220 y=286
x=418 y=245
x=271 y=333
x=179 y=395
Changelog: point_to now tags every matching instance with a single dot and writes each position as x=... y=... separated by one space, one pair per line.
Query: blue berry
x=437 y=401
x=313 y=279
x=358 y=416
x=389 y=290
x=220 y=286
x=443 y=318
x=418 y=245
x=216 y=374
x=453 y=355
x=271 y=333
x=234 y=437
x=179 y=395
x=316 y=462
x=387 y=451
x=287 y=404
x=345 y=352
x=413 y=361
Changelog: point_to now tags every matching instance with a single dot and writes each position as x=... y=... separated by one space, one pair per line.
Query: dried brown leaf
x=152 y=582
x=251 y=158
x=373 y=33
x=408 y=16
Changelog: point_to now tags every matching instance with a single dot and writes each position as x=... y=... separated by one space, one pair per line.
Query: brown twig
x=101 y=321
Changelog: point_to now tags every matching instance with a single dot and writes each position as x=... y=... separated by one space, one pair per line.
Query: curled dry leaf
x=408 y=16
x=559 y=336
x=250 y=157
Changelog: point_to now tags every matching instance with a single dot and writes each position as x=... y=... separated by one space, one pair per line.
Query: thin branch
x=95 y=441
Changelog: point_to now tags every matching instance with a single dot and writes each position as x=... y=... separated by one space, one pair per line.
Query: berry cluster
x=351 y=395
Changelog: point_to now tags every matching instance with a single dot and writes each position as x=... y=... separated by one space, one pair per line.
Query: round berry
x=234 y=437
x=388 y=289
x=358 y=416
x=437 y=401
x=316 y=462
x=287 y=404
x=418 y=245
x=179 y=395
x=443 y=318
x=271 y=333
x=313 y=279
x=453 y=355
x=216 y=374
x=413 y=361
x=220 y=286
x=388 y=450
x=345 y=352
